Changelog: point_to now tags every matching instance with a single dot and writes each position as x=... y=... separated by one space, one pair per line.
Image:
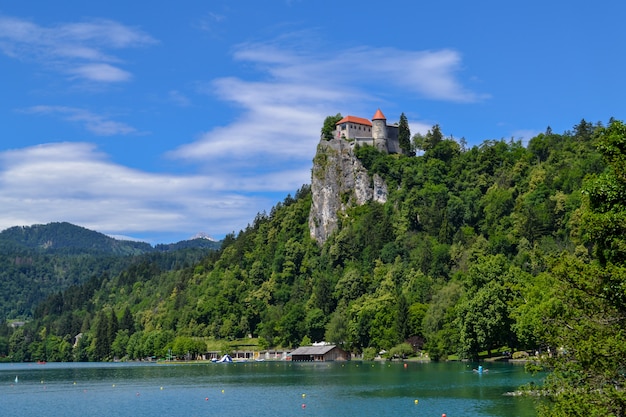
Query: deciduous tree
x=588 y=376
x=328 y=130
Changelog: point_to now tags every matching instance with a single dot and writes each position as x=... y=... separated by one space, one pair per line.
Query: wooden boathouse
x=325 y=353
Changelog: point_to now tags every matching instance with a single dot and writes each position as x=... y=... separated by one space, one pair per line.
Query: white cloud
x=267 y=148
x=80 y=50
x=270 y=146
x=75 y=182
x=210 y=22
x=97 y=124
x=428 y=74
x=283 y=110
x=100 y=72
x=179 y=98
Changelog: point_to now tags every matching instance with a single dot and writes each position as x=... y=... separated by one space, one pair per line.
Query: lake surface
x=259 y=389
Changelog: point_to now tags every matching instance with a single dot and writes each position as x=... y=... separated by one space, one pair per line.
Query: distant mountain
x=202 y=235
x=39 y=260
x=63 y=237
x=68 y=238
x=198 y=242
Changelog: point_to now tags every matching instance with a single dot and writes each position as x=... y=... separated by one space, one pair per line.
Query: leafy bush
x=520 y=355
x=401 y=350
x=369 y=354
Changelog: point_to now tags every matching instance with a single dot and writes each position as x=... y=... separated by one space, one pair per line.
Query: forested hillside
x=39 y=260
x=498 y=246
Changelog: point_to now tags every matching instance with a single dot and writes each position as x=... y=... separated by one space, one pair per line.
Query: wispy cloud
x=283 y=109
x=210 y=22
x=75 y=182
x=94 y=123
x=266 y=151
x=100 y=72
x=80 y=50
x=427 y=74
x=179 y=98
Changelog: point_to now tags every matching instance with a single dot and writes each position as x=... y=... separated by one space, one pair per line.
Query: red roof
x=379 y=115
x=354 y=119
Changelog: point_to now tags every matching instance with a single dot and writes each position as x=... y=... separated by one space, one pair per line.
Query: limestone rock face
x=339 y=181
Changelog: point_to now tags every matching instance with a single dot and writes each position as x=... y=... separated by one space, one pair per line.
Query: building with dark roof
x=325 y=353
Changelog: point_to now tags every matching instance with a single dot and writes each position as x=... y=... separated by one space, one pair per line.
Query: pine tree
x=404 y=135
x=102 y=345
x=127 y=323
x=113 y=327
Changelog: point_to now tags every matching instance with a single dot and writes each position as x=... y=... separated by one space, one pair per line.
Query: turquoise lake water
x=353 y=388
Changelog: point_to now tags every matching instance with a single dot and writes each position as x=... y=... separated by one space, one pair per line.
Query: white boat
x=225 y=359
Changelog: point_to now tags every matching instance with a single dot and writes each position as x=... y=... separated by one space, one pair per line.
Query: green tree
x=330 y=125
x=484 y=320
x=432 y=138
x=337 y=327
x=401 y=351
x=587 y=377
x=120 y=344
x=58 y=349
x=315 y=324
x=402 y=318
x=127 y=322
x=134 y=348
x=83 y=350
x=102 y=341
x=404 y=135
x=19 y=345
x=416 y=314
x=439 y=321
x=112 y=328
x=418 y=142
x=605 y=219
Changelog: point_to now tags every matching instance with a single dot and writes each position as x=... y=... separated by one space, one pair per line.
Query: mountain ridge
x=39 y=260
x=67 y=237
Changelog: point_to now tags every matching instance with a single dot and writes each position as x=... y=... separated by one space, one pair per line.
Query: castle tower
x=379 y=131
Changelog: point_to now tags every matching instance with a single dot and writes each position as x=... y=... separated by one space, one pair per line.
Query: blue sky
x=157 y=120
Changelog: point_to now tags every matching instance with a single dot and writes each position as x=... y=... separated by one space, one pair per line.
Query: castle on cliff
x=374 y=133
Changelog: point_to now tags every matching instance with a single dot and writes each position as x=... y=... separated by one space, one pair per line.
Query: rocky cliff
x=339 y=181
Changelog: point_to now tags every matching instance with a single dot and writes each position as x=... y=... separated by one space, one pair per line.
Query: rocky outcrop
x=339 y=181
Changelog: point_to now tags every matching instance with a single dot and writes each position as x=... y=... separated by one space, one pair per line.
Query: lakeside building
x=325 y=353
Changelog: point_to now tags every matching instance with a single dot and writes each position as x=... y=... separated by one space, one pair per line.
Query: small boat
x=481 y=370
x=16 y=379
x=225 y=359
